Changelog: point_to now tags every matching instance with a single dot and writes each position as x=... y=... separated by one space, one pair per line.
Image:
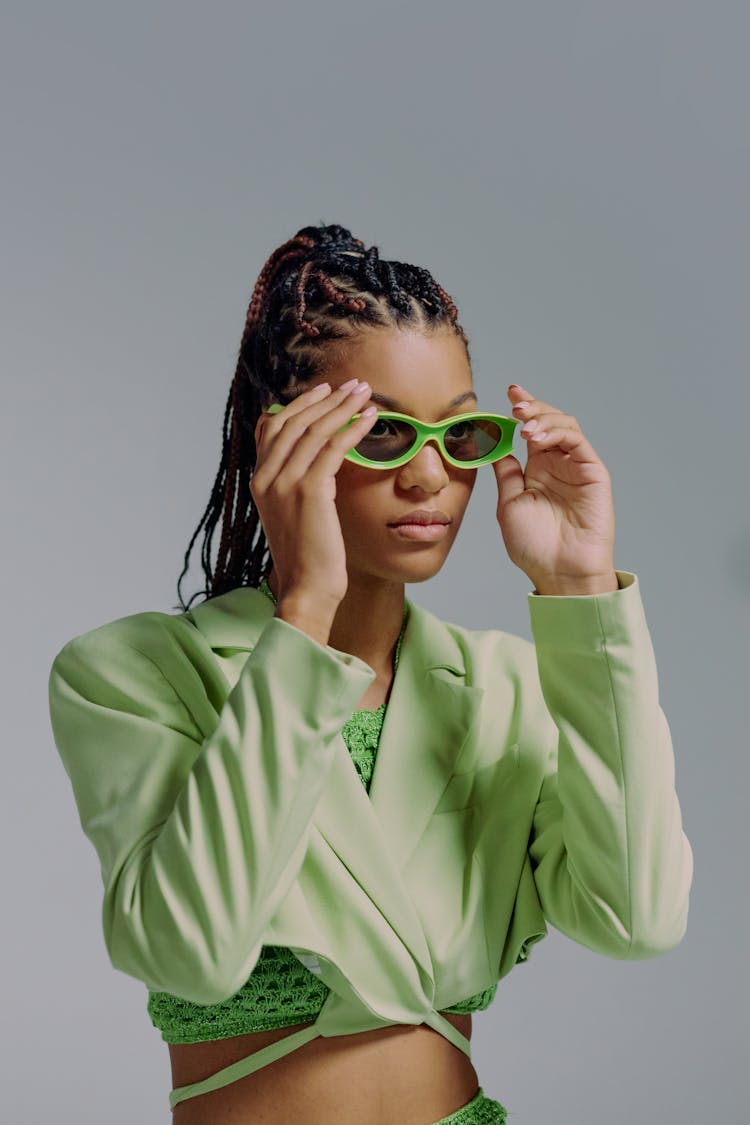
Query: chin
x=416 y=565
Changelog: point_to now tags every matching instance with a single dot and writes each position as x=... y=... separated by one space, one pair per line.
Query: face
x=423 y=376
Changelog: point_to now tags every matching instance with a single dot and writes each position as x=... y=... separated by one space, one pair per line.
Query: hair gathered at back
x=314 y=295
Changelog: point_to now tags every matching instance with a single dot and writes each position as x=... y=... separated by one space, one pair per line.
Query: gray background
x=576 y=175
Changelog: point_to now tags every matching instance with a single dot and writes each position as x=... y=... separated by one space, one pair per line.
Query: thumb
x=510 y=478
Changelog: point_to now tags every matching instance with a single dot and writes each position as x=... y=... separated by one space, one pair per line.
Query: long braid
x=315 y=293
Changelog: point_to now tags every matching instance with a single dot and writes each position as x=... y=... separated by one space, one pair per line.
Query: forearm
x=612 y=863
x=200 y=818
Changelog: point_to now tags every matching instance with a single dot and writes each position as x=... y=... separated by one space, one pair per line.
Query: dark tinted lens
x=470 y=440
x=389 y=438
x=386 y=439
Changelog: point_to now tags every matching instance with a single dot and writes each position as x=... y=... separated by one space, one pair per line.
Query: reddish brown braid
x=452 y=311
x=291 y=250
x=316 y=290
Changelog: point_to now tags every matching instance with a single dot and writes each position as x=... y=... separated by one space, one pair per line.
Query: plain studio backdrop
x=576 y=175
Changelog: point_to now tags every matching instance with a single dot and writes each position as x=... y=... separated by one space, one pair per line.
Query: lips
x=423 y=517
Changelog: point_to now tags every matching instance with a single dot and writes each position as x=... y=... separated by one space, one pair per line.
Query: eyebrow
x=394 y=404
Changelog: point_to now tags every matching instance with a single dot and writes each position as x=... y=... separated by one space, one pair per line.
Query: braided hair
x=315 y=293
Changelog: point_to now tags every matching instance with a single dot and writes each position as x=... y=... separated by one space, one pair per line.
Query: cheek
x=360 y=495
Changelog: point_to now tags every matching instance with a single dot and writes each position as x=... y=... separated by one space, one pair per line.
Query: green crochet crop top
x=281 y=990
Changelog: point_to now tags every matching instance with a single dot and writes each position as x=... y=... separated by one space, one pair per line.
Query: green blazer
x=516 y=784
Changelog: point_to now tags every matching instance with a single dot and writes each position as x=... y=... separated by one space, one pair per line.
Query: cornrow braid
x=314 y=295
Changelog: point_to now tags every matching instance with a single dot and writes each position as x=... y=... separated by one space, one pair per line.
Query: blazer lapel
x=430 y=714
x=429 y=717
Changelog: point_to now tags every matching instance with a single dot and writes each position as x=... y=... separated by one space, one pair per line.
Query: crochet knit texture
x=281 y=990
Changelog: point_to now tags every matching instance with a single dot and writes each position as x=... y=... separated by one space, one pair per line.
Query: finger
x=544 y=420
x=298 y=445
x=525 y=405
x=534 y=407
x=568 y=438
x=510 y=478
x=316 y=401
x=517 y=393
x=331 y=456
x=313 y=394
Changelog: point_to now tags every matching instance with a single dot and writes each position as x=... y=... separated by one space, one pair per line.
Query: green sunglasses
x=465 y=440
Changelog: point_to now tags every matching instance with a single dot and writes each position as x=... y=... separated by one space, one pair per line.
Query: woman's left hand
x=556 y=516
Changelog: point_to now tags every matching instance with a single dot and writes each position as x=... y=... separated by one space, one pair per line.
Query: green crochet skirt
x=480 y=1110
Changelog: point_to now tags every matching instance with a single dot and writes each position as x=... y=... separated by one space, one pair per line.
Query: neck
x=368 y=620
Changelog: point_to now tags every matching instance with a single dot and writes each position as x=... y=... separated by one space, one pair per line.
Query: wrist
x=577 y=586
x=304 y=617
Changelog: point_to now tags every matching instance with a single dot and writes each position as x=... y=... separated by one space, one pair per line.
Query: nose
x=427 y=469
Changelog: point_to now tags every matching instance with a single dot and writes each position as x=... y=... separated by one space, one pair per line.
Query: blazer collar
x=237 y=618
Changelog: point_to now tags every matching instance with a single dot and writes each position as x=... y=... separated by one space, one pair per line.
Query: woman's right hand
x=299 y=452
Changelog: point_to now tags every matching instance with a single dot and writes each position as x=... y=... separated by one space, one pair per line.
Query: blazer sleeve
x=199 y=838
x=612 y=865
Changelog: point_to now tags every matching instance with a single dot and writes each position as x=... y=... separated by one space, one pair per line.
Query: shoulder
x=150 y=648
x=151 y=632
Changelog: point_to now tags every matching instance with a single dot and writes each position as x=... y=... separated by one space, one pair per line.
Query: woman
x=314 y=937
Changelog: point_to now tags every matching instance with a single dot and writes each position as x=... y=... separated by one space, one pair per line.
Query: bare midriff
x=398 y=1073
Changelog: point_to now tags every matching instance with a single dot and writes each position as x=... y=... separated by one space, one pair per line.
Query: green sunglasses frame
x=431 y=431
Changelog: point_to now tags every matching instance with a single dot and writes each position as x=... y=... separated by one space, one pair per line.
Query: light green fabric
x=517 y=784
x=284 y=987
